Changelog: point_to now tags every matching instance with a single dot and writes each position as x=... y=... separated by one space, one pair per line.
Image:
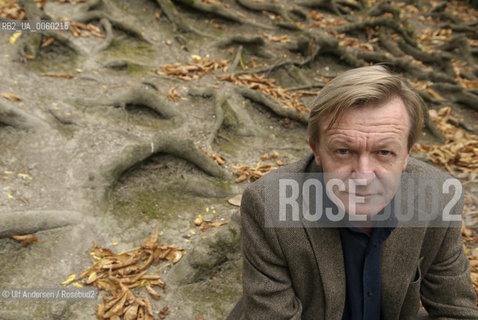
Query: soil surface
x=100 y=151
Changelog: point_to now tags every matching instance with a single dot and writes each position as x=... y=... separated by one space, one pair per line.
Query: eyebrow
x=387 y=142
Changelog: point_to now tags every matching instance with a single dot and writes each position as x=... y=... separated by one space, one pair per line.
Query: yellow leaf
x=14 y=37
x=24 y=175
x=8 y=172
x=114 y=243
x=10 y=196
x=91 y=276
x=10 y=96
x=76 y=284
x=70 y=279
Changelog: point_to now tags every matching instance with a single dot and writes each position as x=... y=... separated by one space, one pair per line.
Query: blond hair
x=357 y=87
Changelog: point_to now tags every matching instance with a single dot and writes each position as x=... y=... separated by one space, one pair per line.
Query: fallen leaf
x=14 y=37
x=48 y=41
x=71 y=277
x=26 y=239
x=10 y=96
x=173 y=94
x=164 y=312
x=236 y=200
x=58 y=75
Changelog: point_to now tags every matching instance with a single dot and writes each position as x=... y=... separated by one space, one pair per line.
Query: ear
x=313 y=146
x=405 y=163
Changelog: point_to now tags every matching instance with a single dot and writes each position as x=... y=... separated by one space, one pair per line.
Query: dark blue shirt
x=362 y=256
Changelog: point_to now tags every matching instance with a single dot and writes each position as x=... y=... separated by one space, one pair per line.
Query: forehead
x=390 y=116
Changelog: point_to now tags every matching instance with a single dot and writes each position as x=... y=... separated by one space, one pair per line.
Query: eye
x=384 y=153
x=342 y=151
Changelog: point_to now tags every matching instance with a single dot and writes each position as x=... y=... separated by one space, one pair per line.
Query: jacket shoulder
x=305 y=164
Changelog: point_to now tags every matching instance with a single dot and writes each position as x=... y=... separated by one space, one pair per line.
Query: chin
x=370 y=207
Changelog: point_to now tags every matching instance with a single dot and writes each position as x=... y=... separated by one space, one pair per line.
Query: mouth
x=360 y=194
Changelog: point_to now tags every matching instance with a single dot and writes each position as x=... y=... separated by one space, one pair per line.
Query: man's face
x=366 y=149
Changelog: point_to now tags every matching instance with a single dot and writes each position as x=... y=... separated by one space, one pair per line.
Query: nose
x=363 y=169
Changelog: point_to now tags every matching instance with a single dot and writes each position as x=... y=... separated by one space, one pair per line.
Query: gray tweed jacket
x=298 y=273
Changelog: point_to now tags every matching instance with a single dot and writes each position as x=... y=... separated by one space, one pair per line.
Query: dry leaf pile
x=285 y=97
x=459 y=154
x=173 y=94
x=253 y=173
x=193 y=71
x=81 y=30
x=119 y=273
x=282 y=39
x=324 y=22
x=459 y=66
x=425 y=87
x=12 y=10
x=218 y=158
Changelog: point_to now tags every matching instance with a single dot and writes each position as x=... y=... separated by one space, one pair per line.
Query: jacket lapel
x=400 y=253
x=327 y=248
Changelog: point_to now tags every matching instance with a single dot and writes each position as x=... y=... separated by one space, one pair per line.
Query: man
x=375 y=264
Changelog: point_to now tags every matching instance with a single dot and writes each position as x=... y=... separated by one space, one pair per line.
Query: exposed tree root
x=430 y=125
x=307 y=87
x=109 y=35
x=175 y=18
x=162 y=143
x=122 y=64
x=84 y=14
x=460 y=42
x=237 y=58
x=29 y=46
x=441 y=59
x=234 y=118
x=324 y=44
x=66 y=41
x=330 y=45
x=27 y=222
x=220 y=100
x=220 y=12
x=383 y=7
x=254 y=44
x=457 y=94
x=405 y=64
x=14 y=117
x=388 y=44
x=380 y=22
x=263 y=99
x=134 y=96
x=269 y=7
x=330 y=5
x=439 y=12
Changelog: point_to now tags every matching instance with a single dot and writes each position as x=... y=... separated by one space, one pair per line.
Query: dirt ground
x=106 y=144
